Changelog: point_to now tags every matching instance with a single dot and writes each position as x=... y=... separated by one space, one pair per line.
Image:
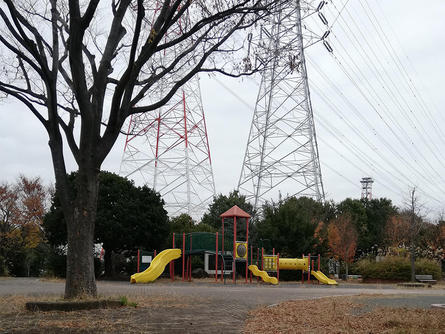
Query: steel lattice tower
x=367 y=188
x=168 y=150
x=282 y=153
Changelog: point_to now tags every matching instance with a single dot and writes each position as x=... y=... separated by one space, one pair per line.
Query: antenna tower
x=168 y=150
x=367 y=187
x=282 y=152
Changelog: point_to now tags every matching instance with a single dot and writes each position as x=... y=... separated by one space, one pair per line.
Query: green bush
x=428 y=267
x=397 y=268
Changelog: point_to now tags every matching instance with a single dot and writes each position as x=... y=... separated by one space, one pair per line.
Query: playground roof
x=235 y=211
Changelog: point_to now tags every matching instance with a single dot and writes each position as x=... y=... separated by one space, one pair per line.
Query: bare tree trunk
x=80 y=279
x=413 y=236
x=413 y=261
x=347 y=270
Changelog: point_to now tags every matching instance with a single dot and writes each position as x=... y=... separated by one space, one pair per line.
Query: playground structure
x=224 y=254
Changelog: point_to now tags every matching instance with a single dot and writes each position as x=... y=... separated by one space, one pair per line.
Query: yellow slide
x=266 y=278
x=156 y=266
x=323 y=278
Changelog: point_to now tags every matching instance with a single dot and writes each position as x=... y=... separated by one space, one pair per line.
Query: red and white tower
x=168 y=149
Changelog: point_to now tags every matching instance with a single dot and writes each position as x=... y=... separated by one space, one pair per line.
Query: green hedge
x=397 y=268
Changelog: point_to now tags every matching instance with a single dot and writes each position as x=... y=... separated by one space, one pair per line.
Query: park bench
x=425 y=279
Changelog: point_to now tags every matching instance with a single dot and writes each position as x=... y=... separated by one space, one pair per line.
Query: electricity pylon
x=168 y=150
x=282 y=154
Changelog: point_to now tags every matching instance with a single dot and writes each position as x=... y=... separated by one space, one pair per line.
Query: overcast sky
x=368 y=94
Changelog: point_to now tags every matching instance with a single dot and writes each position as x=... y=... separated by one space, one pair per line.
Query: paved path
x=224 y=307
x=252 y=295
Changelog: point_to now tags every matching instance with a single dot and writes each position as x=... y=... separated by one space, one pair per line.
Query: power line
x=393 y=56
x=344 y=118
x=378 y=97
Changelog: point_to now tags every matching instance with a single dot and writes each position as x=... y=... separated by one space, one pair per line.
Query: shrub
x=428 y=267
x=397 y=268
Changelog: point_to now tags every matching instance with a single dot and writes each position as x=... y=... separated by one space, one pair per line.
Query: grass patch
x=124 y=302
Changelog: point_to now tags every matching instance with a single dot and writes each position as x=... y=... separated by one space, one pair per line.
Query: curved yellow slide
x=265 y=277
x=323 y=278
x=156 y=266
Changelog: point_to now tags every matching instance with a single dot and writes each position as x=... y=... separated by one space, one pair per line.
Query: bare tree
x=83 y=67
x=415 y=224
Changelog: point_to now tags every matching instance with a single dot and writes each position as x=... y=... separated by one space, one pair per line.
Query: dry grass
x=52 y=279
x=342 y=315
x=172 y=313
x=15 y=319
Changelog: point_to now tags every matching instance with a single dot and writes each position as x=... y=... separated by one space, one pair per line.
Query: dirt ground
x=201 y=307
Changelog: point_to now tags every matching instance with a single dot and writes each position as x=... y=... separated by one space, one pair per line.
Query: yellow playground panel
x=294 y=264
x=270 y=262
x=241 y=249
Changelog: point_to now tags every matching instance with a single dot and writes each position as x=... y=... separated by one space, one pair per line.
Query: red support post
x=222 y=247
x=187 y=267
x=273 y=255
x=183 y=254
x=172 y=263
x=318 y=265
x=278 y=267
x=251 y=261
x=216 y=259
x=234 y=250
x=309 y=268
x=312 y=264
x=139 y=258
x=258 y=261
x=262 y=258
x=191 y=248
x=302 y=273
x=247 y=248
x=190 y=268
x=154 y=255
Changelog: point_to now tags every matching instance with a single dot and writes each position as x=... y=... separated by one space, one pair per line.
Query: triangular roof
x=235 y=211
